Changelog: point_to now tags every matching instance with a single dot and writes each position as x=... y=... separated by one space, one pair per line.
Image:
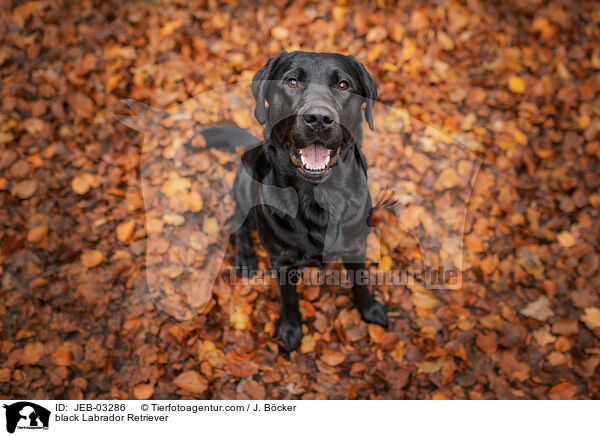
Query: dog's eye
x=343 y=85
x=292 y=83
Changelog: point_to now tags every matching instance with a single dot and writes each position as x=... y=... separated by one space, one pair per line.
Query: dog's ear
x=260 y=83
x=369 y=89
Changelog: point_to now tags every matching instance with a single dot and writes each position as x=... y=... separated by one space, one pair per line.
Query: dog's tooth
x=302 y=159
x=327 y=161
x=301 y=152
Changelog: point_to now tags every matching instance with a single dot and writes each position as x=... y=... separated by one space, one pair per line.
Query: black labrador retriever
x=312 y=141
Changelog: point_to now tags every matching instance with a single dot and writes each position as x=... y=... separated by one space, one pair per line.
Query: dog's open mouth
x=315 y=159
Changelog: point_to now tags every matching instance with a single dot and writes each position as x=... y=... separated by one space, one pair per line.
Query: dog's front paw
x=246 y=265
x=290 y=333
x=374 y=313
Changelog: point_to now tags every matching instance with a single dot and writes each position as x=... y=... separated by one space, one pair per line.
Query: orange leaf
x=5 y=375
x=32 y=353
x=92 y=258
x=170 y=27
x=562 y=391
x=333 y=358
x=82 y=183
x=242 y=118
x=308 y=344
x=516 y=84
x=143 y=391
x=37 y=234
x=125 y=230
x=62 y=355
x=377 y=333
x=591 y=317
x=280 y=33
x=24 y=189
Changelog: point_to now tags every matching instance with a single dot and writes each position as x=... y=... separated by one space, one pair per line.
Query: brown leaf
x=539 y=309
x=565 y=327
x=562 y=391
x=63 y=356
x=82 y=183
x=32 y=353
x=487 y=343
x=191 y=381
x=591 y=317
x=24 y=189
x=82 y=105
x=333 y=358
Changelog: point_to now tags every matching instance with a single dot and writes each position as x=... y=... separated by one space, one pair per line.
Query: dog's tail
x=222 y=136
x=227 y=138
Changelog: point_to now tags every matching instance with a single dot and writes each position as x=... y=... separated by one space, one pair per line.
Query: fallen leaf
x=376 y=333
x=565 y=239
x=125 y=230
x=539 y=309
x=430 y=366
x=308 y=344
x=37 y=234
x=280 y=33
x=170 y=27
x=24 y=189
x=143 y=391
x=82 y=183
x=92 y=258
x=591 y=317
x=333 y=358
x=63 y=356
x=82 y=105
x=242 y=118
x=191 y=381
x=516 y=84
x=32 y=353
x=562 y=391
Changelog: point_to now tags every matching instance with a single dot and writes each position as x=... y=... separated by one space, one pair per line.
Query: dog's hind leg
x=246 y=264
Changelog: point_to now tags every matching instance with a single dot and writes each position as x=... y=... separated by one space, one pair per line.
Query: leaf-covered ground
x=516 y=83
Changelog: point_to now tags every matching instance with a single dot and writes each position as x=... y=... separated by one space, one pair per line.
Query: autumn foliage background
x=516 y=82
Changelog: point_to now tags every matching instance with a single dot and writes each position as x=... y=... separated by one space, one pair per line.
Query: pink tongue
x=315 y=155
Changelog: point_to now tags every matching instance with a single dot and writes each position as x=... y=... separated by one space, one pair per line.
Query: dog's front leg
x=370 y=309
x=289 y=327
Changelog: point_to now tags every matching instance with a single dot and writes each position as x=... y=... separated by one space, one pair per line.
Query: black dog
x=305 y=187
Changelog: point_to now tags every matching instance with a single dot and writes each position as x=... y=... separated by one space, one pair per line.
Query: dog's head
x=314 y=108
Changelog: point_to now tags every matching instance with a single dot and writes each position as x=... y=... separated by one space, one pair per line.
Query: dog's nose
x=318 y=118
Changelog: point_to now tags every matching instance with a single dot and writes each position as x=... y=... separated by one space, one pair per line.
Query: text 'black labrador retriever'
x=316 y=205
